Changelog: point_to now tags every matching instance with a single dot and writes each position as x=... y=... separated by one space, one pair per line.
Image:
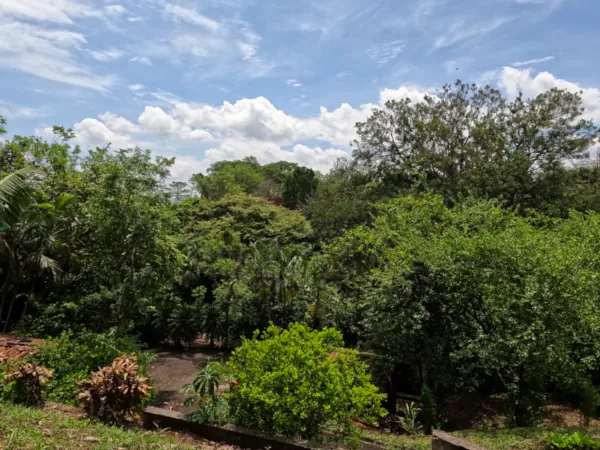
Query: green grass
x=504 y=439
x=517 y=438
x=26 y=428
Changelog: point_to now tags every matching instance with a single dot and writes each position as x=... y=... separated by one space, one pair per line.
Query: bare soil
x=173 y=369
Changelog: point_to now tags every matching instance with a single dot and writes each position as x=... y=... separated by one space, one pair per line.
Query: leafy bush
x=298 y=382
x=113 y=393
x=74 y=357
x=429 y=409
x=211 y=406
x=575 y=441
x=23 y=382
x=410 y=421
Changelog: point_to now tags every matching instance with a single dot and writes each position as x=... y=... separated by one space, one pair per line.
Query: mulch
x=14 y=347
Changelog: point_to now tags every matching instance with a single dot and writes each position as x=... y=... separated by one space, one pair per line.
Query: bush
x=23 y=382
x=297 y=382
x=428 y=410
x=113 y=393
x=74 y=357
x=211 y=406
x=575 y=441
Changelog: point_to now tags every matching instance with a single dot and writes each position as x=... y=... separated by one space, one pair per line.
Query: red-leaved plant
x=114 y=393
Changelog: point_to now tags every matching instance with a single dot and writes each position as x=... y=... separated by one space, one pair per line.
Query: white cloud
x=57 y=11
x=416 y=94
x=386 y=52
x=112 y=54
x=155 y=120
x=460 y=31
x=189 y=15
x=47 y=53
x=142 y=60
x=115 y=10
x=118 y=124
x=515 y=81
x=136 y=87
x=13 y=111
x=531 y=62
x=293 y=83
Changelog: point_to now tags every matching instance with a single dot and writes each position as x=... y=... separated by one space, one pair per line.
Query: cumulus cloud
x=416 y=94
x=515 y=81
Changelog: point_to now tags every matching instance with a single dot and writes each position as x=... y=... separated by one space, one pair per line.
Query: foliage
x=113 y=393
x=74 y=357
x=299 y=186
x=476 y=294
x=410 y=421
x=428 y=409
x=469 y=140
x=211 y=406
x=575 y=441
x=297 y=382
x=23 y=382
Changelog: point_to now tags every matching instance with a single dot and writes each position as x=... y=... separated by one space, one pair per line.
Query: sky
x=207 y=80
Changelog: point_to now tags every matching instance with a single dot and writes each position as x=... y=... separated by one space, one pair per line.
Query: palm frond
x=15 y=195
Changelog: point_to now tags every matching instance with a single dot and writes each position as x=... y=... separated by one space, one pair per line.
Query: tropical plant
x=24 y=381
x=410 y=421
x=15 y=195
x=211 y=406
x=114 y=393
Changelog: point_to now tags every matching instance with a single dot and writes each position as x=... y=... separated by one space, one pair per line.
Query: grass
x=518 y=438
x=26 y=428
x=503 y=439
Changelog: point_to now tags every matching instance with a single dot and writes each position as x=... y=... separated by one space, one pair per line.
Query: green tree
x=299 y=186
x=468 y=140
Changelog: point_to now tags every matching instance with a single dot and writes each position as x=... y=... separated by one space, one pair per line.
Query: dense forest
x=458 y=248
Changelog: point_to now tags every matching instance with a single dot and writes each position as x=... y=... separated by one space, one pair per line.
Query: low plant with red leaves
x=114 y=393
x=23 y=382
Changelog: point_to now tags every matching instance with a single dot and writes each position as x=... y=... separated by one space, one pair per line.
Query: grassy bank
x=26 y=428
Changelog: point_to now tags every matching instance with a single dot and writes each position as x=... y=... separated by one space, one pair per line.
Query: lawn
x=26 y=428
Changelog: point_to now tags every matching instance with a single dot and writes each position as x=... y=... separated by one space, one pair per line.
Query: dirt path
x=171 y=370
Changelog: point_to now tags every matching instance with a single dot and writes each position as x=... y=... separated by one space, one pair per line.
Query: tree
x=466 y=140
x=476 y=295
x=298 y=187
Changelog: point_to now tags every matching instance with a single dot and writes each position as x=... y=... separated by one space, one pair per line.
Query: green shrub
x=211 y=406
x=74 y=357
x=575 y=441
x=298 y=382
x=22 y=382
x=114 y=393
x=428 y=410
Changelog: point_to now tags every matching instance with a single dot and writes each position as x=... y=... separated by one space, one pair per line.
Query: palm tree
x=15 y=196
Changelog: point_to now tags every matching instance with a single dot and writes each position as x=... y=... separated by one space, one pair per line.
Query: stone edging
x=157 y=417
x=445 y=441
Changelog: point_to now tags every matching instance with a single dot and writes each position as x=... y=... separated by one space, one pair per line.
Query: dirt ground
x=172 y=369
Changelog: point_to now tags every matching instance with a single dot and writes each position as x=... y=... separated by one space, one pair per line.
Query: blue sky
x=206 y=80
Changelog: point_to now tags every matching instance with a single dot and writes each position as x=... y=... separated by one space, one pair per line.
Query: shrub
x=74 y=357
x=211 y=406
x=113 y=393
x=429 y=409
x=575 y=441
x=297 y=382
x=23 y=382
